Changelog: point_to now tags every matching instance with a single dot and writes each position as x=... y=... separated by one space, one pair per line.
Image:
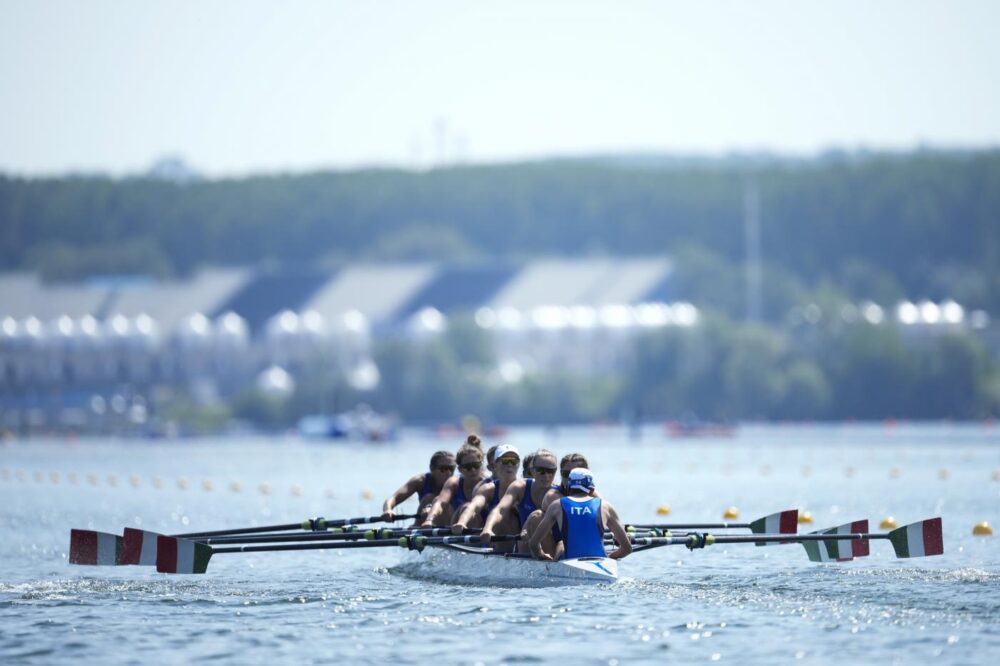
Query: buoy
x=135 y=481
x=112 y=480
x=264 y=488
x=297 y=490
x=39 y=477
x=158 y=483
x=996 y=475
x=894 y=473
x=663 y=510
x=207 y=486
x=329 y=493
x=92 y=479
x=982 y=529
x=943 y=474
x=731 y=513
x=235 y=486
x=367 y=494
x=888 y=523
x=54 y=477
x=182 y=483
x=807 y=471
x=849 y=471
x=805 y=518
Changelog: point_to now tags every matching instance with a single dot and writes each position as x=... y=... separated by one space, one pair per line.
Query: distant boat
x=696 y=428
x=360 y=424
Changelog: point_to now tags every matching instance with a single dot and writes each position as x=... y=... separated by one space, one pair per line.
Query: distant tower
x=751 y=235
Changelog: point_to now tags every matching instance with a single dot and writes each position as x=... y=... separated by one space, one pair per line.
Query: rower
x=425 y=486
x=581 y=518
x=488 y=494
x=550 y=540
x=458 y=490
x=521 y=500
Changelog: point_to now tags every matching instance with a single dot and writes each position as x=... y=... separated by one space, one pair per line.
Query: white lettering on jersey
x=580 y=510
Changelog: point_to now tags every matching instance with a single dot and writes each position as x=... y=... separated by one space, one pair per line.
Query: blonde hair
x=473 y=446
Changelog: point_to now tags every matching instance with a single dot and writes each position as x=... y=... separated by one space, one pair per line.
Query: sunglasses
x=509 y=461
x=445 y=468
x=545 y=470
x=470 y=467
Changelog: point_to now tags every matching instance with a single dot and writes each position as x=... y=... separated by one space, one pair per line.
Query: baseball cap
x=581 y=479
x=506 y=449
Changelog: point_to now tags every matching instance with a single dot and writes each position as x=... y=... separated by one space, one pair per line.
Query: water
x=736 y=603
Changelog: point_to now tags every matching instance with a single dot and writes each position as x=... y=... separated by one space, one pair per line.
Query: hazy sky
x=246 y=86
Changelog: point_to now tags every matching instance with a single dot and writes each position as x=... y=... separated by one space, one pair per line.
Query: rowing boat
x=470 y=565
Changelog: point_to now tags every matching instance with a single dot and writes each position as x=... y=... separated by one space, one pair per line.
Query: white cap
x=580 y=478
x=506 y=449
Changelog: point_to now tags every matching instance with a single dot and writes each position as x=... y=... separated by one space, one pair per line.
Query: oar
x=783 y=522
x=920 y=539
x=175 y=555
x=346 y=536
x=310 y=524
x=139 y=546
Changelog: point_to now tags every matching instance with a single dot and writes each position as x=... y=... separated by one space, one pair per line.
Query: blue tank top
x=527 y=505
x=428 y=487
x=582 y=529
x=493 y=502
x=459 y=498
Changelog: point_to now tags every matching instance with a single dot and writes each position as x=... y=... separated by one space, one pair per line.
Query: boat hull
x=474 y=566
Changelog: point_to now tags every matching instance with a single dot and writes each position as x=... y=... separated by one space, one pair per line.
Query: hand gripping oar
x=176 y=555
x=139 y=546
x=920 y=539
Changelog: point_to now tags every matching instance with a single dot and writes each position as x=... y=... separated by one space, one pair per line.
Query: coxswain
x=458 y=490
x=425 y=486
x=521 y=500
x=488 y=494
x=581 y=518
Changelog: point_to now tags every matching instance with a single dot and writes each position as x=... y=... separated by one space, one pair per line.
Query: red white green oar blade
x=181 y=556
x=921 y=539
x=139 y=547
x=842 y=550
x=783 y=522
x=96 y=548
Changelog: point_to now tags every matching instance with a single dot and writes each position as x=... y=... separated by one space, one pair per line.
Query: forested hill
x=924 y=224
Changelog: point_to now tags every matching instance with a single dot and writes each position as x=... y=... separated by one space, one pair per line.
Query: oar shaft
x=378 y=543
x=313 y=524
x=689 y=526
x=323 y=536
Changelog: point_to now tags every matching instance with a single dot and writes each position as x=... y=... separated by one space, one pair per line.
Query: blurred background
x=341 y=218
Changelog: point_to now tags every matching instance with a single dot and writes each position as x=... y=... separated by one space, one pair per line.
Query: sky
x=239 y=87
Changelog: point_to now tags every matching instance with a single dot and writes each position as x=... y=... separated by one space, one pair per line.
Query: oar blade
x=921 y=539
x=783 y=522
x=94 y=548
x=139 y=547
x=180 y=556
x=839 y=550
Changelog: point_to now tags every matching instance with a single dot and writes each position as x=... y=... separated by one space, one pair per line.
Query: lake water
x=735 y=603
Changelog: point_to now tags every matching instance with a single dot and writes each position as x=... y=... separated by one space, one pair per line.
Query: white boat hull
x=473 y=566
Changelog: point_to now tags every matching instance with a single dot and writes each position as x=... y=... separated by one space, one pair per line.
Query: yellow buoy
x=663 y=510
x=235 y=486
x=182 y=483
x=264 y=488
x=731 y=513
x=207 y=485
x=805 y=518
x=888 y=523
x=367 y=494
x=982 y=529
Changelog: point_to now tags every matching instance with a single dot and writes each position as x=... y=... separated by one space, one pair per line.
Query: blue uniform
x=493 y=502
x=459 y=498
x=428 y=487
x=582 y=529
x=527 y=505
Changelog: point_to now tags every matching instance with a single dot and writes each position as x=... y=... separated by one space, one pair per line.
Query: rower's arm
x=443 y=498
x=506 y=503
x=549 y=518
x=401 y=495
x=612 y=522
x=477 y=503
x=551 y=495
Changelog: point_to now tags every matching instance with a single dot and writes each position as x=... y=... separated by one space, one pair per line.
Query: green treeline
x=878 y=226
x=835 y=230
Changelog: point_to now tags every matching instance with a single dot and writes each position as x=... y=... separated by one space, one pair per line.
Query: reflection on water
x=731 y=602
